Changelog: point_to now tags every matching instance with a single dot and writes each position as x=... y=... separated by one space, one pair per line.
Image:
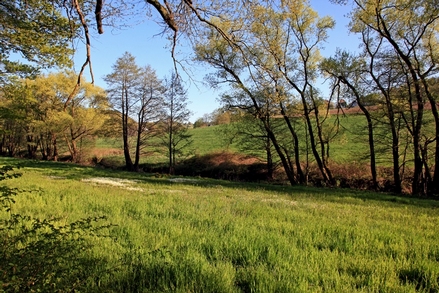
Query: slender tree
x=147 y=110
x=175 y=120
x=123 y=88
x=248 y=130
x=347 y=70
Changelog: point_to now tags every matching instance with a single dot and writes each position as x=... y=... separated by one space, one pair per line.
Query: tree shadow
x=331 y=194
x=77 y=172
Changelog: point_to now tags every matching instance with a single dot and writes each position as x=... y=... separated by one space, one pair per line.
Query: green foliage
x=42 y=255
x=38 y=30
x=200 y=123
x=7 y=193
x=33 y=115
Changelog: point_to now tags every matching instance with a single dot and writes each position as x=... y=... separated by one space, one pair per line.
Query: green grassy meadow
x=174 y=234
x=349 y=155
x=206 y=140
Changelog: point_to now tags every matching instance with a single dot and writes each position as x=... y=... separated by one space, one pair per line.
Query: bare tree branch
x=98 y=14
x=88 y=58
x=166 y=13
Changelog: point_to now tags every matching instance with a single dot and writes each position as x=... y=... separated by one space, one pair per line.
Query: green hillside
x=349 y=144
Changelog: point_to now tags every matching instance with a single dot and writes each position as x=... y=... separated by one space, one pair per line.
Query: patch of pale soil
x=134 y=188
x=56 y=177
x=183 y=180
x=278 y=200
x=118 y=182
x=174 y=191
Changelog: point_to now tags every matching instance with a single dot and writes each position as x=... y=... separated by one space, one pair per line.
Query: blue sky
x=149 y=47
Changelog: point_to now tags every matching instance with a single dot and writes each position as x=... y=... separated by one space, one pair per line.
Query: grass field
x=173 y=234
x=349 y=146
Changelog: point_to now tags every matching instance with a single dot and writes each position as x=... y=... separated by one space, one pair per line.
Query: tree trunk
x=324 y=168
x=372 y=155
x=126 y=152
x=45 y=146
x=288 y=171
x=395 y=149
x=32 y=146
x=433 y=187
x=270 y=167
x=125 y=135
x=55 y=147
x=301 y=176
x=137 y=153
x=312 y=141
x=170 y=146
x=366 y=113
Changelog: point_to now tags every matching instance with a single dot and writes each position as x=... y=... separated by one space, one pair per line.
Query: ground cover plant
x=176 y=234
x=42 y=254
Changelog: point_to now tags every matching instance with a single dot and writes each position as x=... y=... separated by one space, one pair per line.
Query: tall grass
x=200 y=235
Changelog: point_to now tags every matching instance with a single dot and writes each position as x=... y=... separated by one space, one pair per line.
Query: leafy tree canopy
x=37 y=31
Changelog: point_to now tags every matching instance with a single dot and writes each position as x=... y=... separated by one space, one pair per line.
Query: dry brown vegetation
x=220 y=165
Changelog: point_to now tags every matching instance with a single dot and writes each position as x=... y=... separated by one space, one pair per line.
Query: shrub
x=39 y=255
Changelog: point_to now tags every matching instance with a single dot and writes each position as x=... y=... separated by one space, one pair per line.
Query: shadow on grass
x=320 y=193
x=50 y=266
x=65 y=169
x=41 y=255
x=77 y=172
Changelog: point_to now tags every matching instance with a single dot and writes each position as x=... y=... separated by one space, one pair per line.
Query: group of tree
x=34 y=115
x=217 y=117
x=149 y=108
x=267 y=52
x=39 y=117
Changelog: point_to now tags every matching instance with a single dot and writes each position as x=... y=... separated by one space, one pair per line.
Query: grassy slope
x=215 y=236
x=208 y=139
x=350 y=145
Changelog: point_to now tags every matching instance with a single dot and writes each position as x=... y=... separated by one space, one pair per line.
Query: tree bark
x=301 y=175
x=369 y=131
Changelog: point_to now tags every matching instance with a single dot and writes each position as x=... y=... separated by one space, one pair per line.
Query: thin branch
x=88 y=54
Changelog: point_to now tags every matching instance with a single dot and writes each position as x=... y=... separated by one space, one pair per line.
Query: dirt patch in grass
x=183 y=180
x=221 y=158
x=118 y=182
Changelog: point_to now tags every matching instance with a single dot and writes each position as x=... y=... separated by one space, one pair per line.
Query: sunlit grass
x=201 y=235
x=349 y=146
x=209 y=139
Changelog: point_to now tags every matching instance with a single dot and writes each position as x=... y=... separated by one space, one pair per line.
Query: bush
x=39 y=255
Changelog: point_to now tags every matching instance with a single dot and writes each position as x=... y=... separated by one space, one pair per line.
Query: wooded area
x=266 y=53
